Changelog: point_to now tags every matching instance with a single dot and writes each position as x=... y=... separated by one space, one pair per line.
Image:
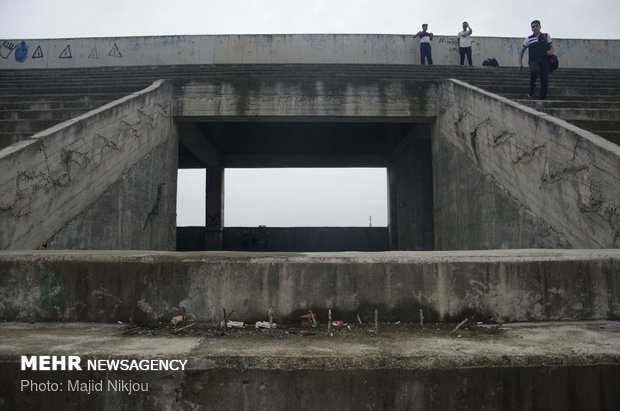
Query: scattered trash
x=184 y=328
x=178 y=319
x=120 y=323
x=359 y=320
x=421 y=318
x=458 y=327
x=459 y=336
x=338 y=323
x=397 y=322
x=308 y=320
x=265 y=324
x=235 y=324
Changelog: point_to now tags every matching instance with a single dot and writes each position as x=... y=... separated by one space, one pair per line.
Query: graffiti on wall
x=6 y=48
x=21 y=50
x=38 y=53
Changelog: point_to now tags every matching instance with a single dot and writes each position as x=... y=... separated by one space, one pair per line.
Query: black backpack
x=554 y=63
x=491 y=62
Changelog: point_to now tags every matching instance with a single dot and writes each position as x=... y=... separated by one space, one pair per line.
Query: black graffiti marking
x=6 y=48
x=115 y=52
x=66 y=53
x=38 y=53
x=93 y=54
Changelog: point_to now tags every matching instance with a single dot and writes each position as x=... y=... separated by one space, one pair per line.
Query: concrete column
x=214 y=221
x=411 y=193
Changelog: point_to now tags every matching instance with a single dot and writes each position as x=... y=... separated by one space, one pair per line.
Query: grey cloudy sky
x=28 y=19
x=298 y=190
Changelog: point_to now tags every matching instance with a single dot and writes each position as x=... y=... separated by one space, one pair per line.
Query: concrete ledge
x=513 y=285
x=549 y=366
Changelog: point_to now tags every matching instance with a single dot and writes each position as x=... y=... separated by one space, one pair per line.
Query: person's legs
x=422 y=53
x=534 y=70
x=430 y=55
x=425 y=52
x=462 y=53
x=544 y=79
x=468 y=53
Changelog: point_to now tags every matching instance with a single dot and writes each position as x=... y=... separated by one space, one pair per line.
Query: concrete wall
x=298 y=239
x=286 y=48
x=515 y=285
x=116 y=164
x=509 y=176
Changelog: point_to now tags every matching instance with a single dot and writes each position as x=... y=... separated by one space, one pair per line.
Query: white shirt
x=464 y=38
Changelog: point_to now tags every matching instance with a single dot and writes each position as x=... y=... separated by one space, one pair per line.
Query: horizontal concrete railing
x=513 y=285
x=285 y=48
x=50 y=178
x=567 y=177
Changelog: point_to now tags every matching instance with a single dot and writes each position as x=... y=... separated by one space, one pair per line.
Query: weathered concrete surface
x=291 y=96
x=292 y=48
x=62 y=173
x=567 y=177
x=514 y=285
x=549 y=366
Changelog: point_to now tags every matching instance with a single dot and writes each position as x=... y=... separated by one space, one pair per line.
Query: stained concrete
x=292 y=48
x=566 y=177
x=554 y=366
x=60 y=174
x=149 y=286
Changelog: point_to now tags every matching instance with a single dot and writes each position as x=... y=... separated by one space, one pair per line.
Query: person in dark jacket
x=540 y=47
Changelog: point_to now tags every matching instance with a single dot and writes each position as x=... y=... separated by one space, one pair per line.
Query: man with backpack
x=540 y=47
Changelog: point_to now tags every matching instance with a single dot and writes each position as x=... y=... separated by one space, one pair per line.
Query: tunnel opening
x=241 y=155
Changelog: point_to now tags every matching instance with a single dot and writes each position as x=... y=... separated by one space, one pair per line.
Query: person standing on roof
x=540 y=47
x=425 y=44
x=465 y=43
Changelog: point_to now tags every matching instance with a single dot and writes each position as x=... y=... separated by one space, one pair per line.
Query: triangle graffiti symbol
x=93 y=54
x=114 y=52
x=66 y=53
x=38 y=53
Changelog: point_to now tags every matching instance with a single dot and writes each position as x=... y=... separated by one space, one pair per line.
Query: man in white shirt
x=465 y=43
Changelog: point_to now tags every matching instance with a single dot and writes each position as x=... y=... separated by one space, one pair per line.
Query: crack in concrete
x=528 y=155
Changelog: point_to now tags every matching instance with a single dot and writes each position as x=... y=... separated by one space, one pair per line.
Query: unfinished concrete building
x=500 y=210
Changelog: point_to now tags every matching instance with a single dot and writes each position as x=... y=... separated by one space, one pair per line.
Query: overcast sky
x=300 y=190
x=29 y=19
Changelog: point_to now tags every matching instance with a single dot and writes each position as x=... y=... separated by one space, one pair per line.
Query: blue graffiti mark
x=21 y=52
x=564 y=47
x=513 y=50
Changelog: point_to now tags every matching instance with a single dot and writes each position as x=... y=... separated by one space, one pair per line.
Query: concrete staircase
x=562 y=350
x=33 y=100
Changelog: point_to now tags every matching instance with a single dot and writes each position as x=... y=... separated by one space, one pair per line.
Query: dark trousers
x=465 y=51
x=425 y=52
x=539 y=67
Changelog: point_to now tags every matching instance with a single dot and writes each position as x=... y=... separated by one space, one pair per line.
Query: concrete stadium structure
x=500 y=209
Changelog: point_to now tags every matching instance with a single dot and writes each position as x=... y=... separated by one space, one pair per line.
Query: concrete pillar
x=410 y=184
x=214 y=221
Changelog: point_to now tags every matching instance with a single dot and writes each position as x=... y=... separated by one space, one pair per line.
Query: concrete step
x=78 y=90
x=27 y=127
x=570 y=104
x=51 y=114
x=577 y=114
x=520 y=366
x=511 y=285
x=6 y=139
x=597 y=126
x=551 y=97
x=79 y=103
x=613 y=136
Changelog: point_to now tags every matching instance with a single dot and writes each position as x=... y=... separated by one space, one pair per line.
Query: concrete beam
x=198 y=144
